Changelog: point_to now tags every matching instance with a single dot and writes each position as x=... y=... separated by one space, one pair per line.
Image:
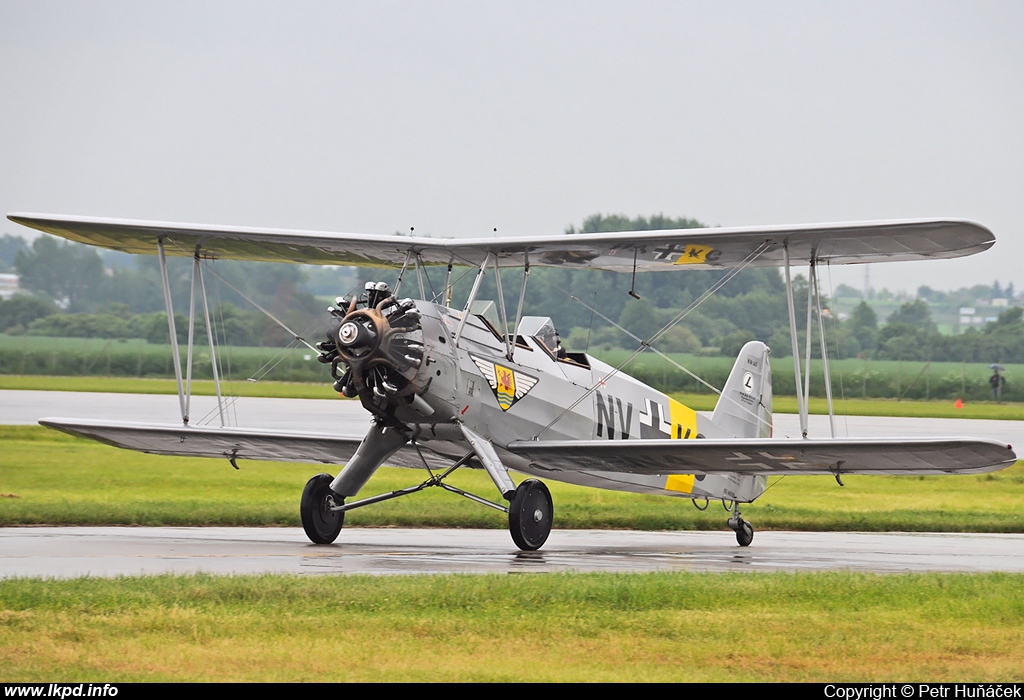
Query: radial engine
x=375 y=349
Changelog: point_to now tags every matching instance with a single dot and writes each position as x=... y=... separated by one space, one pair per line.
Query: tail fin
x=744 y=409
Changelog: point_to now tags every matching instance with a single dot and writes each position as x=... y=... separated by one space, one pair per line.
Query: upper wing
x=229 y=443
x=839 y=243
x=771 y=456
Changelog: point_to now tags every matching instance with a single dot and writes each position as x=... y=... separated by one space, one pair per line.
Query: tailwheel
x=530 y=515
x=744 y=533
x=744 y=530
x=322 y=525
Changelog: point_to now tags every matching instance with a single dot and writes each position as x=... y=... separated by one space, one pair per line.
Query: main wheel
x=530 y=514
x=321 y=524
x=745 y=534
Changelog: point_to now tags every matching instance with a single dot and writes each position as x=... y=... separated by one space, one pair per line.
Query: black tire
x=530 y=515
x=322 y=525
x=745 y=534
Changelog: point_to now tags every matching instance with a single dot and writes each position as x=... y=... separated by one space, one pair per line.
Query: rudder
x=744 y=409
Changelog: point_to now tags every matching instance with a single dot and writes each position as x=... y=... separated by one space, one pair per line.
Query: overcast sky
x=458 y=117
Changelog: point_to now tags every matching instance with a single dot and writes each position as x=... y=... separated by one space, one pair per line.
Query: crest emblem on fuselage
x=507 y=384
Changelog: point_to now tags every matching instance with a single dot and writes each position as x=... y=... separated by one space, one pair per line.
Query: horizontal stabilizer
x=228 y=443
x=771 y=456
x=680 y=249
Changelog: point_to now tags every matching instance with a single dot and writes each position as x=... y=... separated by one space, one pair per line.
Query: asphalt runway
x=349 y=417
x=67 y=552
x=27 y=407
x=113 y=551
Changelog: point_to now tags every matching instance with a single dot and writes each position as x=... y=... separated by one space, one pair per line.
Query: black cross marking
x=667 y=251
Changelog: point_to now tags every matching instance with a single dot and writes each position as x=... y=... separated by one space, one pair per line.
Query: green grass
x=986 y=410
x=154 y=385
x=851 y=378
x=558 y=627
x=88 y=357
x=48 y=477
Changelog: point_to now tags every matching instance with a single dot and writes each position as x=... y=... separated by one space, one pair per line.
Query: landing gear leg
x=744 y=530
x=321 y=523
x=530 y=515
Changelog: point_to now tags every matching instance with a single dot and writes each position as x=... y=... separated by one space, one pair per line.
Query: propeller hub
x=348 y=333
x=355 y=335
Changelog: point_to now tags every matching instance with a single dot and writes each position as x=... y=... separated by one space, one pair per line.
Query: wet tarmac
x=348 y=417
x=68 y=552
x=60 y=552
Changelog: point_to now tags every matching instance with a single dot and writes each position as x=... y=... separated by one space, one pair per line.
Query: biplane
x=475 y=387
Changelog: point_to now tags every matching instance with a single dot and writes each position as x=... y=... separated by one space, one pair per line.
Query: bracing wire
x=252 y=301
x=227 y=349
x=438 y=296
x=257 y=376
x=839 y=357
x=769 y=486
x=426 y=275
x=646 y=344
x=269 y=315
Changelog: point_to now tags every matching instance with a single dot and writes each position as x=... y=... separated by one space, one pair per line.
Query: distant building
x=8 y=285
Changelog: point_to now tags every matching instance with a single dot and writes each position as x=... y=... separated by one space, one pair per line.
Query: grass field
x=150 y=385
x=556 y=627
x=851 y=378
x=87 y=357
x=571 y=627
x=48 y=477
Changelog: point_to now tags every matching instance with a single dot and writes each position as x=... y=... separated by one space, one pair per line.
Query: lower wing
x=771 y=456
x=738 y=456
x=231 y=443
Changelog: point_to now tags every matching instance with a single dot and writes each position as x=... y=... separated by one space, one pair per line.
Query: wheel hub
x=530 y=515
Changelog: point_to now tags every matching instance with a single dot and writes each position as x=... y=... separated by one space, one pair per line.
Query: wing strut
x=807 y=341
x=191 y=338
x=522 y=298
x=419 y=276
x=504 y=315
x=472 y=297
x=448 y=285
x=197 y=273
x=401 y=275
x=815 y=284
x=185 y=388
x=803 y=379
x=632 y=284
x=800 y=401
x=209 y=337
x=171 y=329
